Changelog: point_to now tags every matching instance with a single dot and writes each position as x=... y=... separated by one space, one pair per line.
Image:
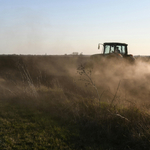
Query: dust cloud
x=130 y=81
x=26 y=74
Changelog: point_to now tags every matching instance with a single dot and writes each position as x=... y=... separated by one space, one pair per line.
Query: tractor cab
x=115 y=48
x=109 y=48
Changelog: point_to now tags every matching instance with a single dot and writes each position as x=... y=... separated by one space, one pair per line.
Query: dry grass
x=108 y=108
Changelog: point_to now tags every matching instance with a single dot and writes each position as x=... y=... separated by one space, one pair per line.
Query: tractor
x=113 y=50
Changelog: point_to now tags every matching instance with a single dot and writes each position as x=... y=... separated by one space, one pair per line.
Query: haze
x=61 y=27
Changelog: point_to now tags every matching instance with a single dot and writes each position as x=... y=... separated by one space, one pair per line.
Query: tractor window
x=112 y=49
x=107 y=49
x=121 y=49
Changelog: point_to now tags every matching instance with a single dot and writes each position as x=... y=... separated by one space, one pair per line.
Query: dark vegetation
x=47 y=103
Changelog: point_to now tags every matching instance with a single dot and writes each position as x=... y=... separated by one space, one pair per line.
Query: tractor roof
x=115 y=43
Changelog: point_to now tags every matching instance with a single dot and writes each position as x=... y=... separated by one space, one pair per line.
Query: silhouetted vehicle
x=117 y=51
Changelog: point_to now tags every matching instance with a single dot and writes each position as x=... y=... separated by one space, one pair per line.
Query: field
x=59 y=102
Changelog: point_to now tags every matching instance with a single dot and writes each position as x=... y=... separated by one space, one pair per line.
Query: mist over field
x=84 y=104
x=133 y=79
x=27 y=73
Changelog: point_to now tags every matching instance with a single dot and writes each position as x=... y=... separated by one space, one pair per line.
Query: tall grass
x=44 y=105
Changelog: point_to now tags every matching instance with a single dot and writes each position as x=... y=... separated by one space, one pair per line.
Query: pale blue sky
x=66 y=26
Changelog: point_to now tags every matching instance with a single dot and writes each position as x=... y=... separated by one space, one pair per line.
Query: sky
x=58 y=27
